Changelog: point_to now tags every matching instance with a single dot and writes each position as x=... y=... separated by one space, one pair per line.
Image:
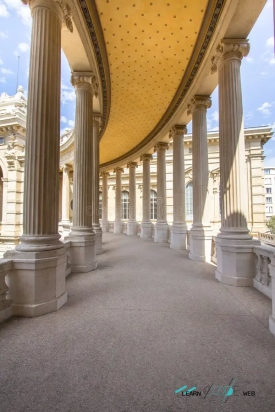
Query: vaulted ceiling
x=149 y=45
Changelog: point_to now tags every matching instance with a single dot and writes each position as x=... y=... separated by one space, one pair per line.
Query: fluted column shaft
x=83 y=154
x=41 y=183
x=233 y=185
x=146 y=192
x=96 y=170
x=161 y=226
x=66 y=193
x=105 y=196
x=198 y=108
x=161 y=148
x=132 y=191
x=118 y=225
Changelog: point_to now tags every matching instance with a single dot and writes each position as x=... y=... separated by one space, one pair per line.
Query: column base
x=235 y=260
x=178 y=236
x=161 y=232
x=37 y=281
x=200 y=240
x=5 y=314
x=146 y=230
x=118 y=227
x=131 y=228
x=105 y=226
x=98 y=238
x=82 y=253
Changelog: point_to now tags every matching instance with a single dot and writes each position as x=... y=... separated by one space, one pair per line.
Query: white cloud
x=63 y=119
x=22 y=11
x=270 y=42
x=1 y=61
x=265 y=109
x=23 y=47
x=3 y=35
x=67 y=96
x=213 y=121
x=6 y=71
x=3 y=10
x=71 y=123
x=249 y=59
x=2 y=80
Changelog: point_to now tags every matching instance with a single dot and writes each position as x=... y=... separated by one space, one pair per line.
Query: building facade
x=269 y=183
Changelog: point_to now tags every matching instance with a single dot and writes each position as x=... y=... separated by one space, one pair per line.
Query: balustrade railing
x=5 y=303
x=262 y=280
x=267 y=238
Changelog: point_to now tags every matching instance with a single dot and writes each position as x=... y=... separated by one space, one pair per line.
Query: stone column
x=200 y=235
x=146 y=224
x=179 y=228
x=65 y=221
x=235 y=258
x=132 y=222
x=37 y=280
x=96 y=225
x=82 y=255
x=105 y=222
x=161 y=226
x=118 y=225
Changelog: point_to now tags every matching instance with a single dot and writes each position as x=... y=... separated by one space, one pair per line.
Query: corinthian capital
x=132 y=165
x=64 y=6
x=146 y=157
x=161 y=146
x=199 y=102
x=82 y=79
x=118 y=170
x=238 y=48
x=177 y=130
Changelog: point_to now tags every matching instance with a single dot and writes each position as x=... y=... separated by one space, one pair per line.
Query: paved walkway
x=146 y=323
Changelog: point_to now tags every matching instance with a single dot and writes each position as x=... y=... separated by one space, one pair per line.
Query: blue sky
x=258 y=70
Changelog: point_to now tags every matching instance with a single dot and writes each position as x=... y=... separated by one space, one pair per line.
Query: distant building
x=269 y=184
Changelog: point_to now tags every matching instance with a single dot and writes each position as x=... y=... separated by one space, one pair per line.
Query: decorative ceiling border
x=97 y=39
x=182 y=89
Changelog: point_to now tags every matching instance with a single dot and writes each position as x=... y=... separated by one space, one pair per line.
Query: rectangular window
x=268 y=190
x=269 y=200
x=267 y=171
x=268 y=181
x=2 y=140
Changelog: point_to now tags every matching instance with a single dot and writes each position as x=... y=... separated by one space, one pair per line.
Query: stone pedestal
x=104 y=221
x=234 y=245
x=179 y=229
x=37 y=277
x=161 y=226
x=82 y=253
x=118 y=224
x=146 y=224
x=96 y=226
x=201 y=232
x=132 y=222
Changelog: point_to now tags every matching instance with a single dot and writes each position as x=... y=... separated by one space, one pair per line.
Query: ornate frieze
x=237 y=48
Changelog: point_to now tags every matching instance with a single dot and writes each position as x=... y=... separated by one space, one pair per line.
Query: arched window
x=100 y=205
x=189 y=201
x=153 y=199
x=125 y=204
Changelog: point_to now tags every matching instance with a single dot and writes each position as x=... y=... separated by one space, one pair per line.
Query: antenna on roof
x=18 y=62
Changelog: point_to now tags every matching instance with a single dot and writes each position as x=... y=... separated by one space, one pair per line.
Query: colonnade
x=37 y=277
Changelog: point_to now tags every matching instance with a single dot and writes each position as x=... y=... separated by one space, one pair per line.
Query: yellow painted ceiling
x=149 y=45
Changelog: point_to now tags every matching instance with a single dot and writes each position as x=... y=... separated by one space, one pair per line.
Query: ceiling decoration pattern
x=149 y=46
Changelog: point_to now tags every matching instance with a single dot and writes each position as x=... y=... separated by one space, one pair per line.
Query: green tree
x=271 y=224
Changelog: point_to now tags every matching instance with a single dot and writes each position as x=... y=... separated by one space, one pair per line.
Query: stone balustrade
x=5 y=303
x=267 y=238
x=262 y=280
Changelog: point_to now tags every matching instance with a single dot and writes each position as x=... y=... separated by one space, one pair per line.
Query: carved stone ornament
x=95 y=86
x=132 y=165
x=177 y=130
x=161 y=146
x=199 y=102
x=118 y=169
x=78 y=78
x=240 y=47
x=146 y=157
x=66 y=11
